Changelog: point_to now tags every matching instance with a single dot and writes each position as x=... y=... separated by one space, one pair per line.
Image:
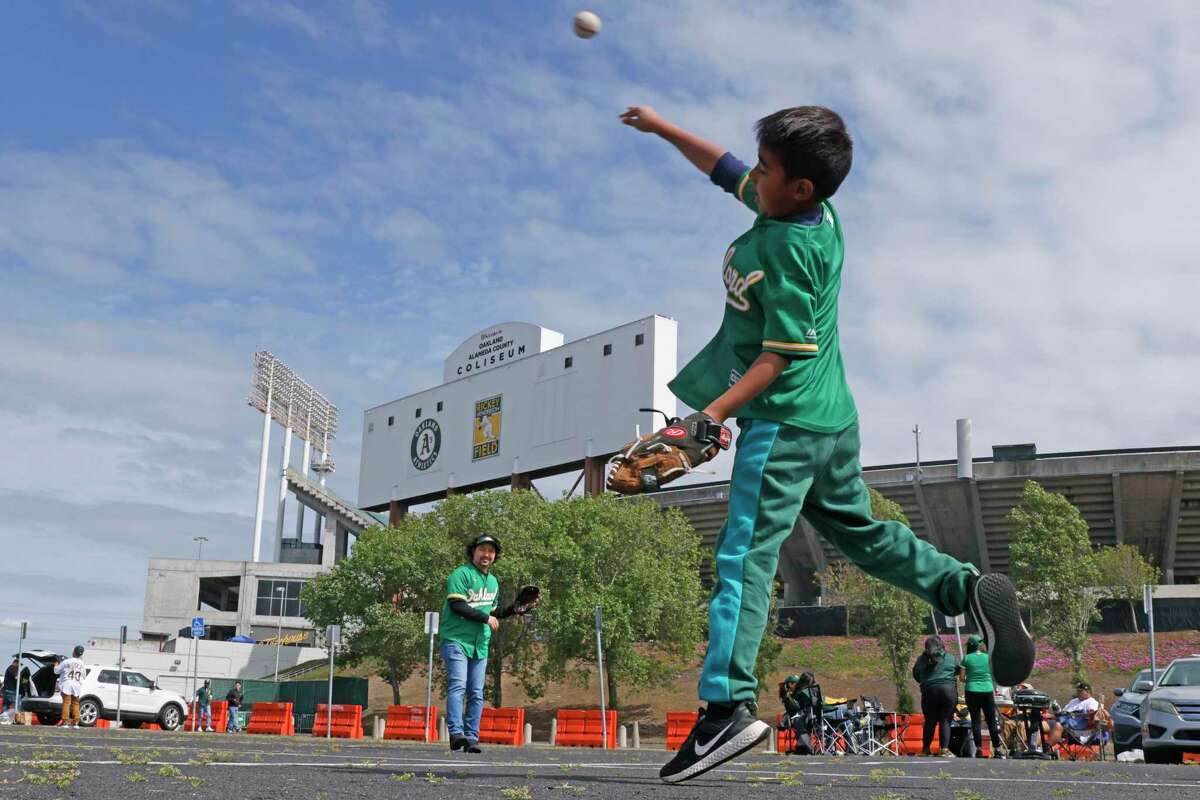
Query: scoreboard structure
x=517 y=403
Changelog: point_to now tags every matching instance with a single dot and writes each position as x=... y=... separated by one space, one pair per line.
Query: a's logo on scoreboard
x=485 y=442
x=426 y=443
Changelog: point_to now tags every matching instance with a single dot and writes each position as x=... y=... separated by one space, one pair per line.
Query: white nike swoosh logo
x=702 y=749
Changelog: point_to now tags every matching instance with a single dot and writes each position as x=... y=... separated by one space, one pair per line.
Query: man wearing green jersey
x=467 y=624
x=775 y=365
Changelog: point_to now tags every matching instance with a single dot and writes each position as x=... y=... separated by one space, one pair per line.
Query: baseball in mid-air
x=587 y=24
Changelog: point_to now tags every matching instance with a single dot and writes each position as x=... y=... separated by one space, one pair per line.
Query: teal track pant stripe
x=724 y=613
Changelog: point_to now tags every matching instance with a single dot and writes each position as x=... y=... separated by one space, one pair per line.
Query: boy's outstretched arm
x=701 y=152
x=765 y=369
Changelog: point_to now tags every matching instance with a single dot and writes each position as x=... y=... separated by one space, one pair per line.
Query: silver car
x=1171 y=714
x=1127 y=711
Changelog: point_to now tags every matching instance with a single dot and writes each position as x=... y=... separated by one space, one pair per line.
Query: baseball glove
x=525 y=599
x=648 y=463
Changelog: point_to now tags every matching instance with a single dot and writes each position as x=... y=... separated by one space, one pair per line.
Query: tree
x=379 y=595
x=1054 y=569
x=896 y=617
x=1123 y=573
x=641 y=566
x=842 y=582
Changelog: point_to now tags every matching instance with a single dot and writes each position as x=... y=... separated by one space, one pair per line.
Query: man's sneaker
x=473 y=746
x=998 y=615
x=458 y=742
x=720 y=734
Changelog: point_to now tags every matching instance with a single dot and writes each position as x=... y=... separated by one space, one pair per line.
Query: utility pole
x=278 y=632
x=199 y=540
x=917 y=435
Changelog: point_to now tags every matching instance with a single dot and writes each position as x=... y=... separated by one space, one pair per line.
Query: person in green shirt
x=980 y=693
x=937 y=672
x=467 y=624
x=204 y=702
x=775 y=365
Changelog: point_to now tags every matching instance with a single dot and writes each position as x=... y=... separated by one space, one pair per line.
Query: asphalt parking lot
x=50 y=763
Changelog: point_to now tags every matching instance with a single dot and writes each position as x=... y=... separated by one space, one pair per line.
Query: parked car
x=1171 y=714
x=141 y=699
x=1127 y=711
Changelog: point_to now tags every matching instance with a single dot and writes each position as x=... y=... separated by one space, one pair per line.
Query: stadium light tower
x=284 y=397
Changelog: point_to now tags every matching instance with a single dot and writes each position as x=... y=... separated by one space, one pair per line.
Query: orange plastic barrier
x=220 y=716
x=785 y=740
x=411 y=723
x=679 y=725
x=103 y=723
x=580 y=728
x=909 y=728
x=273 y=719
x=502 y=726
x=344 y=723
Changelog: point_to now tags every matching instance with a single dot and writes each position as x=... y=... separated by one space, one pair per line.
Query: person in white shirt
x=1082 y=701
x=70 y=674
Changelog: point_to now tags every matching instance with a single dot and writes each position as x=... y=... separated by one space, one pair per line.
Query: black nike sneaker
x=720 y=734
x=458 y=742
x=998 y=614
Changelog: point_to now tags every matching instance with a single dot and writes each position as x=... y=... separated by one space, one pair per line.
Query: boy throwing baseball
x=775 y=366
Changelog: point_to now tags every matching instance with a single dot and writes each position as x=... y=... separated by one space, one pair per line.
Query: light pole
x=199 y=540
x=278 y=632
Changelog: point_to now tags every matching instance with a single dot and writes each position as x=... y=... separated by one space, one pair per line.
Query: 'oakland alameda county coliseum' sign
x=498 y=345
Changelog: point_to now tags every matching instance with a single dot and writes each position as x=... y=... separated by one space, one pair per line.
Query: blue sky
x=358 y=186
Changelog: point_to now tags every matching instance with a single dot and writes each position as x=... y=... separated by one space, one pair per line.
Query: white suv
x=141 y=699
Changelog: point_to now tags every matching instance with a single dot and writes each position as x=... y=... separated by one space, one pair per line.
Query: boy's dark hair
x=811 y=142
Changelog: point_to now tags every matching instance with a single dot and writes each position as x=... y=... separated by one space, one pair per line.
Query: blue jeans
x=10 y=699
x=466 y=677
x=231 y=723
x=205 y=713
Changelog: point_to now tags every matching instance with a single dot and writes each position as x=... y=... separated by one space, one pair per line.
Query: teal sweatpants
x=779 y=473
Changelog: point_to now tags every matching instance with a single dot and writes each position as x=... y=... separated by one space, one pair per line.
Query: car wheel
x=1162 y=755
x=170 y=717
x=89 y=712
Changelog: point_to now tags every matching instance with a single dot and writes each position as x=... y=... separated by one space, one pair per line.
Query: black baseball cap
x=483 y=538
x=1082 y=685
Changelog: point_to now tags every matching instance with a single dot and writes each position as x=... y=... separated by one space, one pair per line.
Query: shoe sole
x=1009 y=644
x=746 y=738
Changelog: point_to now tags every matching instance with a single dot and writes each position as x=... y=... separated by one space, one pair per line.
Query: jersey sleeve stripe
x=793 y=347
x=456 y=597
x=741 y=187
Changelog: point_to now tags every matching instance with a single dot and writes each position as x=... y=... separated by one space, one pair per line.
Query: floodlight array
x=293 y=402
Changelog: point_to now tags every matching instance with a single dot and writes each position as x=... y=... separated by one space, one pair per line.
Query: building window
x=391 y=421
x=439 y=406
x=418 y=413
x=567 y=362
x=269 y=599
x=608 y=349
x=370 y=427
x=639 y=339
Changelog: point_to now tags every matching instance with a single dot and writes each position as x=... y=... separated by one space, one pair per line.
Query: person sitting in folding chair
x=802 y=703
x=1079 y=723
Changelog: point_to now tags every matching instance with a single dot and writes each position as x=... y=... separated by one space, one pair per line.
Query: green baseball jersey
x=481 y=592
x=782 y=280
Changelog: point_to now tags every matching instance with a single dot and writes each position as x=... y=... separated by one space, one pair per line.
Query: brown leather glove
x=648 y=463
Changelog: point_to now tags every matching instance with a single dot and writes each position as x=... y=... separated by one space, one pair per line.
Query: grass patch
x=402 y=777
x=881 y=776
x=135 y=777
x=517 y=793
